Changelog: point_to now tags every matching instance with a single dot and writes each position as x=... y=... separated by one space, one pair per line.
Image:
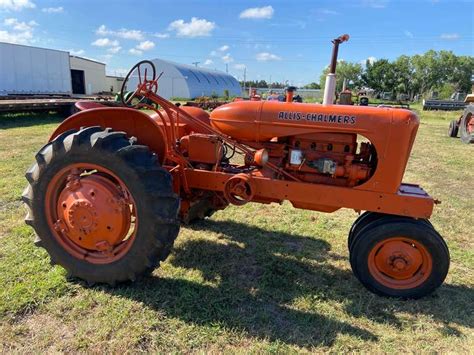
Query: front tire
x=400 y=258
x=101 y=206
x=453 y=129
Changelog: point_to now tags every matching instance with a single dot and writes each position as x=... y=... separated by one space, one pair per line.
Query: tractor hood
x=260 y=121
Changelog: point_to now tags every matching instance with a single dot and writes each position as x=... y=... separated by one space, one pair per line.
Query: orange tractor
x=109 y=191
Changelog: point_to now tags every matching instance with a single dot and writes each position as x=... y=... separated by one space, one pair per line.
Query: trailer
x=26 y=70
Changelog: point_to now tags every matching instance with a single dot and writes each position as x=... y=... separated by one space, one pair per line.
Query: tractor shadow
x=262 y=276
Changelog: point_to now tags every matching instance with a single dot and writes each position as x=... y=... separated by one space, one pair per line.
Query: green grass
x=259 y=278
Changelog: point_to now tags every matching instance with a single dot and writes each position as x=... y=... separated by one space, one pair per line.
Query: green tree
x=312 y=86
x=380 y=75
x=403 y=69
x=344 y=70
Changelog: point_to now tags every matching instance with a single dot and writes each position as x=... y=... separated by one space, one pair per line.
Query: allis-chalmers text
x=316 y=117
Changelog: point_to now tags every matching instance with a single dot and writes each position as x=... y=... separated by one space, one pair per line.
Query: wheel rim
x=470 y=124
x=400 y=263
x=91 y=213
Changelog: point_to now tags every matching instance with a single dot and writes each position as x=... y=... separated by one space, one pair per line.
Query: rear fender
x=133 y=122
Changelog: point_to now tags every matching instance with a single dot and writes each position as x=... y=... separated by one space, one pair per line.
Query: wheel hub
x=399 y=263
x=93 y=213
x=470 y=125
x=83 y=216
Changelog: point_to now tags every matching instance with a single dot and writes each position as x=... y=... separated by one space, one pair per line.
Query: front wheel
x=400 y=258
x=453 y=129
x=101 y=206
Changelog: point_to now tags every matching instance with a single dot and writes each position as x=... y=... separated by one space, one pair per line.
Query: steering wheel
x=142 y=69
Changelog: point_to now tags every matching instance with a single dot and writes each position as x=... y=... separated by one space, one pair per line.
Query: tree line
x=262 y=84
x=421 y=74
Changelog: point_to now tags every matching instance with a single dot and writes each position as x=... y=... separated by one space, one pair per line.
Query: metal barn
x=186 y=81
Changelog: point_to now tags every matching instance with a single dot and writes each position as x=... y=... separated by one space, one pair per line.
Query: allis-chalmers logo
x=316 y=117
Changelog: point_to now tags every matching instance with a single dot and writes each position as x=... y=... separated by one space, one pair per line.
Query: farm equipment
x=206 y=103
x=465 y=123
x=108 y=192
x=456 y=102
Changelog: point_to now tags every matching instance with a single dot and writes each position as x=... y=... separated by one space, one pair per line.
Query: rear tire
x=467 y=125
x=453 y=129
x=400 y=257
x=155 y=206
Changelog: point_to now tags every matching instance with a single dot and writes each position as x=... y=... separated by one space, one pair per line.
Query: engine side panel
x=390 y=131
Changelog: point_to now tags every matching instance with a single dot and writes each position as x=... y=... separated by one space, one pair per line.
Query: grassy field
x=255 y=278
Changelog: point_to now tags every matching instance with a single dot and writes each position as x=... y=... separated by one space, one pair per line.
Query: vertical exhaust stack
x=330 y=88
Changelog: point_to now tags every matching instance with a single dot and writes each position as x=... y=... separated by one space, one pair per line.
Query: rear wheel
x=466 y=126
x=400 y=257
x=101 y=206
x=453 y=129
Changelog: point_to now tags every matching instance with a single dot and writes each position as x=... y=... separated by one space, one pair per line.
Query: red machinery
x=108 y=191
x=464 y=124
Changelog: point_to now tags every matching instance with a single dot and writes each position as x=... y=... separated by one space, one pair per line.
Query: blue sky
x=284 y=40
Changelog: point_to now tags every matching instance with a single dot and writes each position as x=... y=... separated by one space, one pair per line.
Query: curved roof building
x=186 y=81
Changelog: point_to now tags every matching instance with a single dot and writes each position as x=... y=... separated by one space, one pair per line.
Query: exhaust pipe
x=330 y=87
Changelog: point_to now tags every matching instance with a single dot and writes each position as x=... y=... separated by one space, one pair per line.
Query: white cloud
x=213 y=54
x=130 y=34
x=146 y=45
x=408 y=34
x=240 y=66
x=450 y=36
x=161 y=35
x=114 y=50
x=375 y=4
x=102 y=31
x=53 y=10
x=370 y=59
x=16 y=5
x=105 y=42
x=19 y=26
x=266 y=57
x=76 y=52
x=195 y=28
x=224 y=48
x=328 y=12
x=227 y=58
x=18 y=37
x=265 y=12
x=124 y=33
x=21 y=32
x=135 y=51
x=208 y=62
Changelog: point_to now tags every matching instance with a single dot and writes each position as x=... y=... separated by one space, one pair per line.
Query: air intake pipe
x=330 y=87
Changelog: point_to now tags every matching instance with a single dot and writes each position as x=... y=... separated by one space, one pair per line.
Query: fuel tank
x=260 y=121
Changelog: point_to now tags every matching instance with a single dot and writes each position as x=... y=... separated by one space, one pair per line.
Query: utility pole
x=227 y=68
x=196 y=64
x=245 y=77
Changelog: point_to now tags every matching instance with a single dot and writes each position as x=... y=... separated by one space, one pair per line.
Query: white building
x=26 y=70
x=87 y=76
x=186 y=81
x=37 y=71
